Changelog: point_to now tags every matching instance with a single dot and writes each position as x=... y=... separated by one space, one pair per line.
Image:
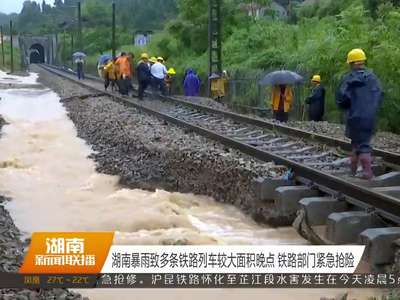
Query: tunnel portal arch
x=36 y=54
x=38 y=49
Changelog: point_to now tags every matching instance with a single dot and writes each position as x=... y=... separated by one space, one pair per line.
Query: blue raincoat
x=316 y=104
x=191 y=83
x=360 y=95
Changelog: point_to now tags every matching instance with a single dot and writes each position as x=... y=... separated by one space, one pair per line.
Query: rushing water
x=54 y=186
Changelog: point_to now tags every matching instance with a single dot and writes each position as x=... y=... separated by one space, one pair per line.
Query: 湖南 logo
x=62 y=251
x=67 y=252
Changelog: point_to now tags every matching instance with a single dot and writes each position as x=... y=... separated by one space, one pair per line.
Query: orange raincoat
x=124 y=66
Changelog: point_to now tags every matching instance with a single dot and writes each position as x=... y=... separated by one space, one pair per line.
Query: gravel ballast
x=382 y=140
x=148 y=153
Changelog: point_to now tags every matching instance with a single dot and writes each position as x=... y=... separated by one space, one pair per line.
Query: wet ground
x=54 y=186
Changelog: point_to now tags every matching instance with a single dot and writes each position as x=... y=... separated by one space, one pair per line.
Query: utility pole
x=214 y=40
x=64 y=48
x=79 y=27
x=56 y=58
x=2 y=45
x=11 y=47
x=113 y=46
x=72 y=48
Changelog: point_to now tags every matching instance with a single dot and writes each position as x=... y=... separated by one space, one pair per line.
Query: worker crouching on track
x=218 y=85
x=360 y=95
x=159 y=72
x=169 y=79
x=316 y=102
x=282 y=98
x=143 y=74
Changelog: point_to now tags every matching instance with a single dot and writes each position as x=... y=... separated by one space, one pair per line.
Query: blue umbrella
x=104 y=58
x=214 y=76
x=281 y=77
x=79 y=55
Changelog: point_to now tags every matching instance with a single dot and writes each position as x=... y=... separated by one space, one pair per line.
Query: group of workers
x=282 y=99
x=360 y=95
x=118 y=72
x=149 y=71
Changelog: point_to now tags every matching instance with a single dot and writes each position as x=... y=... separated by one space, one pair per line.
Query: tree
x=97 y=13
x=30 y=16
x=46 y=8
x=373 y=5
x=255 y=7
x=58 y=3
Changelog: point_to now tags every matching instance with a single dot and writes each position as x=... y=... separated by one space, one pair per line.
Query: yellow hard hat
x=316 y=78
x=356 y=55
x=144 y=56
x=171 y=71
x=153 y=59
x=160 y=58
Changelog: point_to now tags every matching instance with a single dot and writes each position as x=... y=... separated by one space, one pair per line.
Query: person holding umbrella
x=101 y=63
x=282 y=92
x=282 y=98
x=79 y=61
x=316 y=102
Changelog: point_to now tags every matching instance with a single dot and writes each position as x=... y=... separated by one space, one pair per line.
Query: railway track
x=346 y=206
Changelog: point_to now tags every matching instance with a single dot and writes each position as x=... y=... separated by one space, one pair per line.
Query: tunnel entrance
x=36 y=54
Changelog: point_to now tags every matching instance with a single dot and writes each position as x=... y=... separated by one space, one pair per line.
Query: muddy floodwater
x=45 y=169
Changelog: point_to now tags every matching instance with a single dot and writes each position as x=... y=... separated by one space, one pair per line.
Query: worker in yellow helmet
x=171 y=71
x=160 y=59
x=316 y=102
x=169 y=80
x=143 y=74
x=360 y=95
x=152 y=60
x=144 y=56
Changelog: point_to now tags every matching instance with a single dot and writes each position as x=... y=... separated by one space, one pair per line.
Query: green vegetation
x=7 y=58
x=5 y=19
x=317 y=42
x=315 y=38
x=131 y=15
x=61 y=19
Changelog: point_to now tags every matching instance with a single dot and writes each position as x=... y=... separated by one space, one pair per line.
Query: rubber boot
x=366 y=163
x=354 y=163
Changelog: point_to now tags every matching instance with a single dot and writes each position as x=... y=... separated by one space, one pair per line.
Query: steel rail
x=389 y=206
x=390 y=157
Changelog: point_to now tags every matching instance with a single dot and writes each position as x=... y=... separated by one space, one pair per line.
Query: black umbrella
x=281 y=77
